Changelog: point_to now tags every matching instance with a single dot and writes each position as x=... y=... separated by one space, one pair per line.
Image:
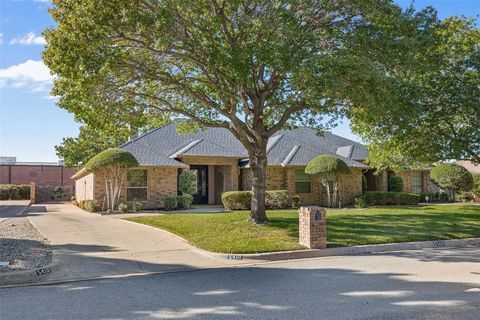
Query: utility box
x=313 y=227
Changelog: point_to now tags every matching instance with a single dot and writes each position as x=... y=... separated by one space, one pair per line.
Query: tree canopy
x=435 y=115
x=252 y=67
x=90 y=141
x=452 y=176
x=111 y=157
x=327 y=165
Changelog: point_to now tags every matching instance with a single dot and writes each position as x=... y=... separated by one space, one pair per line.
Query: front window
x=417 y=182
x=302 y=182
x=137 y=185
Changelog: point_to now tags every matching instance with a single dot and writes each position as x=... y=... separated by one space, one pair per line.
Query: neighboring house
x=42 y=173
x=221 y=164
x=470 y=166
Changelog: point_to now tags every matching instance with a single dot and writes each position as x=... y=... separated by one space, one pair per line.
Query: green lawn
x=232 y=233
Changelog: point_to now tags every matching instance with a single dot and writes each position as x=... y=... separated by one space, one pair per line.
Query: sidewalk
x=89 y=246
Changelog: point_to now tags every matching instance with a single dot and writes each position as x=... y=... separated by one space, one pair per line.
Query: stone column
x=313 y=227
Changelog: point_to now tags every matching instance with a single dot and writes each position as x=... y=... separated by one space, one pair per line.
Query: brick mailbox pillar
x=313 y=227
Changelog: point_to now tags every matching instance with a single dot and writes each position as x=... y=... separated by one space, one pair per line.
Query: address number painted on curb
x=439 y=243
x=235 y=257
x=43 y=271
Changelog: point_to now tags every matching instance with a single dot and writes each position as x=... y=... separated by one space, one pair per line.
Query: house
x=221 y=164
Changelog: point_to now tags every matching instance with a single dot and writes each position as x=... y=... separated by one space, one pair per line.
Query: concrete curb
x=344 y=251
x=28 y=276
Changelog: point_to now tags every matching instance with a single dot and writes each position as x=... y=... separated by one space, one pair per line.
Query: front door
x=201 y=197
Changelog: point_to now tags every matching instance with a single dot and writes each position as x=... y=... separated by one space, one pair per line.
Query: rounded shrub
x=184 y=201
x=325 y=165
x=395 y=184
x=123 y=207
x=452 y=177
x=170 y=203
x=237 y=200
x=360 y=202
x=137 y=206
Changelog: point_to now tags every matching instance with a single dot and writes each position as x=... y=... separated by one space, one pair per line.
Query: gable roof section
x=163 y=146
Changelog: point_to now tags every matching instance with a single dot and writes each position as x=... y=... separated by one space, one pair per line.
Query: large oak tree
x=252 y=67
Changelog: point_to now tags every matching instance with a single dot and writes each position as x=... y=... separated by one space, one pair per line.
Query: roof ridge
x=143 y=135
x=185 y=148
x=290 y=156
x=277 y=138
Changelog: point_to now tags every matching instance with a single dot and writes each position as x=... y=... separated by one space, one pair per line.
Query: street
x=423 y=284
x=12 y=208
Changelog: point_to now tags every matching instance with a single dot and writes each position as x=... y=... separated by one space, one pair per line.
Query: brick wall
x=161 y=182
x=40 y=174
x=284 y=178
x=427 y=184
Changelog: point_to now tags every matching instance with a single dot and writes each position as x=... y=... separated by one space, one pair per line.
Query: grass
x=232 y=233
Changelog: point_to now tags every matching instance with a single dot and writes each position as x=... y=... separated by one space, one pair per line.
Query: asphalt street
x=12 y=208
x=423 y=284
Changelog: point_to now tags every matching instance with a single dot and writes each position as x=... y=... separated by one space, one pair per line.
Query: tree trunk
x=335 y=193
x=107 y=192
x=258 y=163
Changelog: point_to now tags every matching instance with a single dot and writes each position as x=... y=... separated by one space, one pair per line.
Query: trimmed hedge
x=242 y=200
x=14 y=192
x=377 y=198
x=177 y=202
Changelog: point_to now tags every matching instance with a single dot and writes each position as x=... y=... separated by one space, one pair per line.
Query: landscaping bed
x=230 y=232
x=22 y=246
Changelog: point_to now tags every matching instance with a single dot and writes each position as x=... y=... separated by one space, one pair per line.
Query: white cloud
x=1 y=38
x=28 y=39
x=31 y=75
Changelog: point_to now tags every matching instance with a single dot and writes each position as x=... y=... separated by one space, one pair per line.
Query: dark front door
x=201 y=197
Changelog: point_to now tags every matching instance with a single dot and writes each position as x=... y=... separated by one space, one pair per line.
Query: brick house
x=221 y=164
x=42 y=173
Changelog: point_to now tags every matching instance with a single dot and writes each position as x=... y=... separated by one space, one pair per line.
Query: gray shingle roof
x=161 y=147
x=296 y=147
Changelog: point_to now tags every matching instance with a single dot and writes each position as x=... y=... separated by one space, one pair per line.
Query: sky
x=30 y=122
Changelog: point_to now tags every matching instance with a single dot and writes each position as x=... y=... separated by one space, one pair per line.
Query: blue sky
x=30 y=123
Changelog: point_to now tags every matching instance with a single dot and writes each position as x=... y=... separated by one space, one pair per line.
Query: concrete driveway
x=87 y=245
x=12 y=208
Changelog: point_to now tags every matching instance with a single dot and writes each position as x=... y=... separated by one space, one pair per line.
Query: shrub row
x=177 y=202
x=241 y=200
x=377 y=198
x=14 y=192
